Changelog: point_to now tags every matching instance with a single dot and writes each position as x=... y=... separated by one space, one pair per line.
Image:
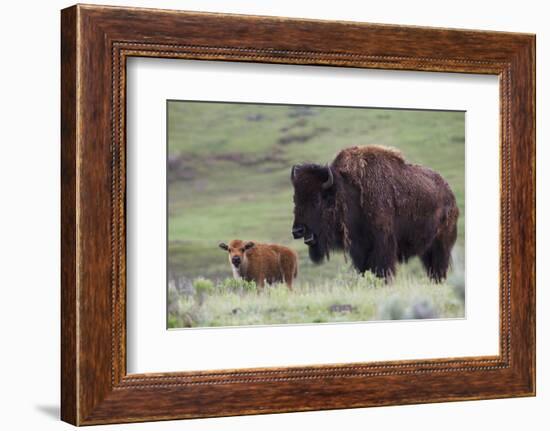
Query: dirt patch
x=243 y=159
x=302 y=137
x=299 y=123
x=255 y=117
x=180 y=168
x=302 y=111
x=341 y=308
x=185 y=167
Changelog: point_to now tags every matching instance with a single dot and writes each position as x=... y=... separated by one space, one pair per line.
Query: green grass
x=231 y=180
x=345 y=298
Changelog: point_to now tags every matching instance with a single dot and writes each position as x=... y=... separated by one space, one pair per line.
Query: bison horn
x=330 y=181
x=293 y=173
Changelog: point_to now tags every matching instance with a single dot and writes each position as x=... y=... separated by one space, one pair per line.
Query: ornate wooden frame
x=95 y=43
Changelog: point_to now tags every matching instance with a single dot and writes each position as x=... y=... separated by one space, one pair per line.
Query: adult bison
x=377 y=208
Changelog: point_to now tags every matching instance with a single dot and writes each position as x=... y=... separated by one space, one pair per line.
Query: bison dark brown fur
x=377 y=208
x=253 y=261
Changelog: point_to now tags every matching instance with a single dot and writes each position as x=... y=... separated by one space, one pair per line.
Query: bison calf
x=262 y=263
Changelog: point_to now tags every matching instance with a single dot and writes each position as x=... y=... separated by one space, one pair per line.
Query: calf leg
x=288 y=281
x=287 y=268
x=260 y=282
x=288 y=275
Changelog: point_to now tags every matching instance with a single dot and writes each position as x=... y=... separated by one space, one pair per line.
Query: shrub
x=236 y=285
x=371 y=280
x=248 y=286
x=230 y=284
x=392 y=308
x=456 y=279
x=422 y=310
x=173 y=322
x=278 y=292
x=202 y=287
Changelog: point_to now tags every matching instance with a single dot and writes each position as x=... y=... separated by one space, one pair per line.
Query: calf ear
x=223 y=246
x=249 y=245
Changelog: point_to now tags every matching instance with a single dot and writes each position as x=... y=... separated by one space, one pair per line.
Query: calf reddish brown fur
x=261 y=263
x=378 y=208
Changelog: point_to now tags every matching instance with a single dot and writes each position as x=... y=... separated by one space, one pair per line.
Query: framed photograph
x=264 y=214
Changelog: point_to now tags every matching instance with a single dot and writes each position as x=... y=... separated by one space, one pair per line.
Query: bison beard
x=378 y=209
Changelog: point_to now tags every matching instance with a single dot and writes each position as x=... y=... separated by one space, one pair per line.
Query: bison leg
x=436 y=261
x=380 y=258
x=383 y=265
x=437 y=257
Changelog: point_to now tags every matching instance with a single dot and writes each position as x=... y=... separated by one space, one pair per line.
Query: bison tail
x=448 y=219
x=438 y=259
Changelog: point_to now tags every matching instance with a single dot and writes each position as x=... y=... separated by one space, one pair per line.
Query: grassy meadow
x=229 y=177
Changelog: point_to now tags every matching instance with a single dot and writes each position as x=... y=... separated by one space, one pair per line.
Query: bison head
x=237 y=251
x=313 y=193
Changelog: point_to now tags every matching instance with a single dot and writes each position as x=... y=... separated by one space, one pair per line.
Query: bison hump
x=356 y=159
